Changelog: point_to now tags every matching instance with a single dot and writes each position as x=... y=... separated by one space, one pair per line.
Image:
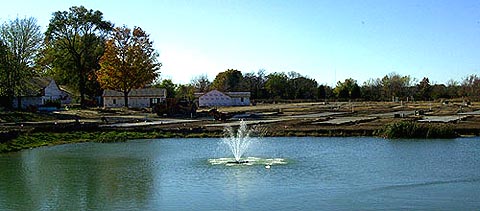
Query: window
x=114 y=101
x=241 y=99
x=154 y=100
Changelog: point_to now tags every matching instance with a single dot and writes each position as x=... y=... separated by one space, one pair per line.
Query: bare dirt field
x=283 y=119
x=359 y=118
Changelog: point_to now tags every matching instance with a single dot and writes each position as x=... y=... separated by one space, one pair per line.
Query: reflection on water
x=65 y=179
x=195 y=174
x=248 y=161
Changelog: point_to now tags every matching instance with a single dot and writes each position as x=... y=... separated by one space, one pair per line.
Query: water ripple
x=423 y=184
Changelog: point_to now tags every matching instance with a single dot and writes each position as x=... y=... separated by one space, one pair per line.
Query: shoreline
x=22 y=130
x=48 y=135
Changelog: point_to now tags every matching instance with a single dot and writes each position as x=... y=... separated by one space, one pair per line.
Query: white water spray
x=239 y=141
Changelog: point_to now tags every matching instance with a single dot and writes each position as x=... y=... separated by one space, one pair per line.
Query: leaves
x=21 y=40
x=349 y=89
x=129 y=61
x=276 y=85
x=169 y=86
x=79 y=35
x=228 y=81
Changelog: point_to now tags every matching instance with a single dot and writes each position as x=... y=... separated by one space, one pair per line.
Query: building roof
x=147 y=92
x=230 y=94
x=238 y=94
x=35 y=86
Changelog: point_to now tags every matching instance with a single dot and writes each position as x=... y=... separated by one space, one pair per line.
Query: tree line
x=289 y=86
x=87 y=53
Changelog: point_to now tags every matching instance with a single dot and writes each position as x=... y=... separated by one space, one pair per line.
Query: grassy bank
x=32 y=140
x=39 y=139
x=16 y=141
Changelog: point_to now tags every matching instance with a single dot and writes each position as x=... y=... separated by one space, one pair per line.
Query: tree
x=201 y=83
x=255 y=83
x=349 y=89
x=4 y=73
x=325 y=92
x=228 y=81
x=79 y=35
x=169 y=86
x=372 y=90
x=355 y=92
x=395 y=85
x=471 y=87
x=292 y=86
x=276 y=85
x=129 y=61
x=424 y=89
x=453 y=89
x=21 y=40
x=186 y=92
x=438 y=91
x=303 y=88
x=321 y=93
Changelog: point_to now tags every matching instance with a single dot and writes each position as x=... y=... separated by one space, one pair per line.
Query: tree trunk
x=81 y=83
x=125 y=96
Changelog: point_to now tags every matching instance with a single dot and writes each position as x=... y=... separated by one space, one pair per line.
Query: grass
x=20 y=116
x=32 y=140
x=23 y=116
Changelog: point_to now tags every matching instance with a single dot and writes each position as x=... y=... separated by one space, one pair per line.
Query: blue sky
x=325 y=40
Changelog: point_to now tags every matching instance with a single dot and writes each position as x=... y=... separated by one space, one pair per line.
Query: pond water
x=178 y=174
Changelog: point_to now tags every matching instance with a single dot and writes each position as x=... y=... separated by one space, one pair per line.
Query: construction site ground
x=281 y=119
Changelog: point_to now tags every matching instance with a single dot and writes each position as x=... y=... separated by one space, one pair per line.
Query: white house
x=217 y=98
x=39 y=91
x=137 y=98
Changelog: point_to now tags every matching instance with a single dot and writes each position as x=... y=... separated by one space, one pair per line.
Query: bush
x=112 y=136
x=52 y=103
x=409 y=129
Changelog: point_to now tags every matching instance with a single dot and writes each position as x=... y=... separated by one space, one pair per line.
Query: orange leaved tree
x=129 y=61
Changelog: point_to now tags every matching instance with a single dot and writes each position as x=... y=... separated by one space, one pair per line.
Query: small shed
x=218 y=98
x=137 y=98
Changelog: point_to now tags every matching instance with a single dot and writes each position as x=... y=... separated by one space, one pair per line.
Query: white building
x=40 y=91
x=217 y=98
x=137 y=98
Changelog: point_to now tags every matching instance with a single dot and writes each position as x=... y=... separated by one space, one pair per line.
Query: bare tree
x=201 y=83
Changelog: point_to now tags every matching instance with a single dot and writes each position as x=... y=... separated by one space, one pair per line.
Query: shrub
x=112 y=136
x=52 y=103
x=408 y=129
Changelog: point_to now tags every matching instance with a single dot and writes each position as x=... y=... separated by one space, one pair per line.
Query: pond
x=356 y=173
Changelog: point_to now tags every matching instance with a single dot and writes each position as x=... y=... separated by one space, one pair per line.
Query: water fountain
x=238 y=141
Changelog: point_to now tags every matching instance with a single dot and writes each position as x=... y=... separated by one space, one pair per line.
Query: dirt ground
x=317 y=119
x=369 y=116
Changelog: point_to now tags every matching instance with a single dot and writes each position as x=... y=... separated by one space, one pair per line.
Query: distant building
x=40 y=92
x=217 y=98
x=137 y=98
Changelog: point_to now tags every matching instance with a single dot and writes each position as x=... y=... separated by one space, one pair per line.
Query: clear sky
x=325 y=40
